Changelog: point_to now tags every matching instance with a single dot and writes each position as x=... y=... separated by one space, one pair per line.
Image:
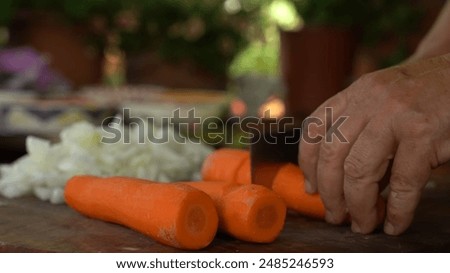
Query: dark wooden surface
x=29 y=225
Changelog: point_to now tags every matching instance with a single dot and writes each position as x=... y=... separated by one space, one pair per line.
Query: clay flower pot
x=65 y=46
x=316 y=63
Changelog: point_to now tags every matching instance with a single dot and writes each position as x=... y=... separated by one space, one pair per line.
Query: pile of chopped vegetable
x=46 y=167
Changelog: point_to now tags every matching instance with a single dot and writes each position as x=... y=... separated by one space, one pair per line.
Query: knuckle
x=355 y=168
x=397 y=104
x=312 y=129
x=404 y=195
x=419 y=130
x=312 y=134
x=423 y=127
x=403 y=186
x=400 y=185
x=329 y=151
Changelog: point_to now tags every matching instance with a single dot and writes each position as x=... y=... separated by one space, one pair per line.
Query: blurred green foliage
x=5 y=11
x=225 y=36
x=258 y=58
x=337 y=13
x=198 y=30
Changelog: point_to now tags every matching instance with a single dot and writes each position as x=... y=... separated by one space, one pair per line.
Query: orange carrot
x=287 y=181
x=259 y=214
x=243 y=173
x=215 y=189
x=217 y=165
x=250 y=213
x=173 y=214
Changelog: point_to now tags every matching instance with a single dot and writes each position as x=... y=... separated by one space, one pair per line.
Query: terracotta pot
x=316 y=63
x=65 y=45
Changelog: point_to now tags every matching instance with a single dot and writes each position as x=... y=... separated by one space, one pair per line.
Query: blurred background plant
x=210 y=32
x=232 y=45
x=217 y=33
x=374 y=21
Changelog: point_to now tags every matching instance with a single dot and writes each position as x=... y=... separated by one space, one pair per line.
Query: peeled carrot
x=173 y=214
x=287 y=180
x=259 y=213
x=217 y=165
x=250 y=213
x=289 y=183
x=243 y=174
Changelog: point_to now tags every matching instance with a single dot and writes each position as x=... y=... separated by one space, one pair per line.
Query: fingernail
x=355 y=227
x=308 y=186
x=389 y=228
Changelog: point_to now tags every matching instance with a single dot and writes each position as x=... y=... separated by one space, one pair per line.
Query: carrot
x=215 y=189
x=243 y=173
x=217 y=165
x=289 y=183
x=259 y=213
x=173 y=214
x=250 y=213
x=287 y=179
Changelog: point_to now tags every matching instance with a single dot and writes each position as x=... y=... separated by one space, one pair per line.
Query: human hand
x=400 y=115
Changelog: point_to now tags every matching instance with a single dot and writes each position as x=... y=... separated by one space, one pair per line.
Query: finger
x=313 y=130
x=443 y=150
x=330 y=167
x=384 y=182
x=364 y=167
x=410 y=173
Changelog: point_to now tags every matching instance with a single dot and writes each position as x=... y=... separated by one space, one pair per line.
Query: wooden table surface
x=29 y=225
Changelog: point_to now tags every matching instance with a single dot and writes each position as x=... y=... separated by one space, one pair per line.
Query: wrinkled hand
x=398 y=116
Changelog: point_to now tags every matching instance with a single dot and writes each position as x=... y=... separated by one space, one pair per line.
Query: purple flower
x=28 y=67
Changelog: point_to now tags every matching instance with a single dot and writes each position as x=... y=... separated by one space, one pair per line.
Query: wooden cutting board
x=30 y=225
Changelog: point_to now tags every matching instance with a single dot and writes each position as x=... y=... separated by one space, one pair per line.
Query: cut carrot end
x=258 y=214
x=198 y=222
x=173 y=214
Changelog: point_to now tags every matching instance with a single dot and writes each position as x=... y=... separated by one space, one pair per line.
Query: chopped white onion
x=46 y=168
